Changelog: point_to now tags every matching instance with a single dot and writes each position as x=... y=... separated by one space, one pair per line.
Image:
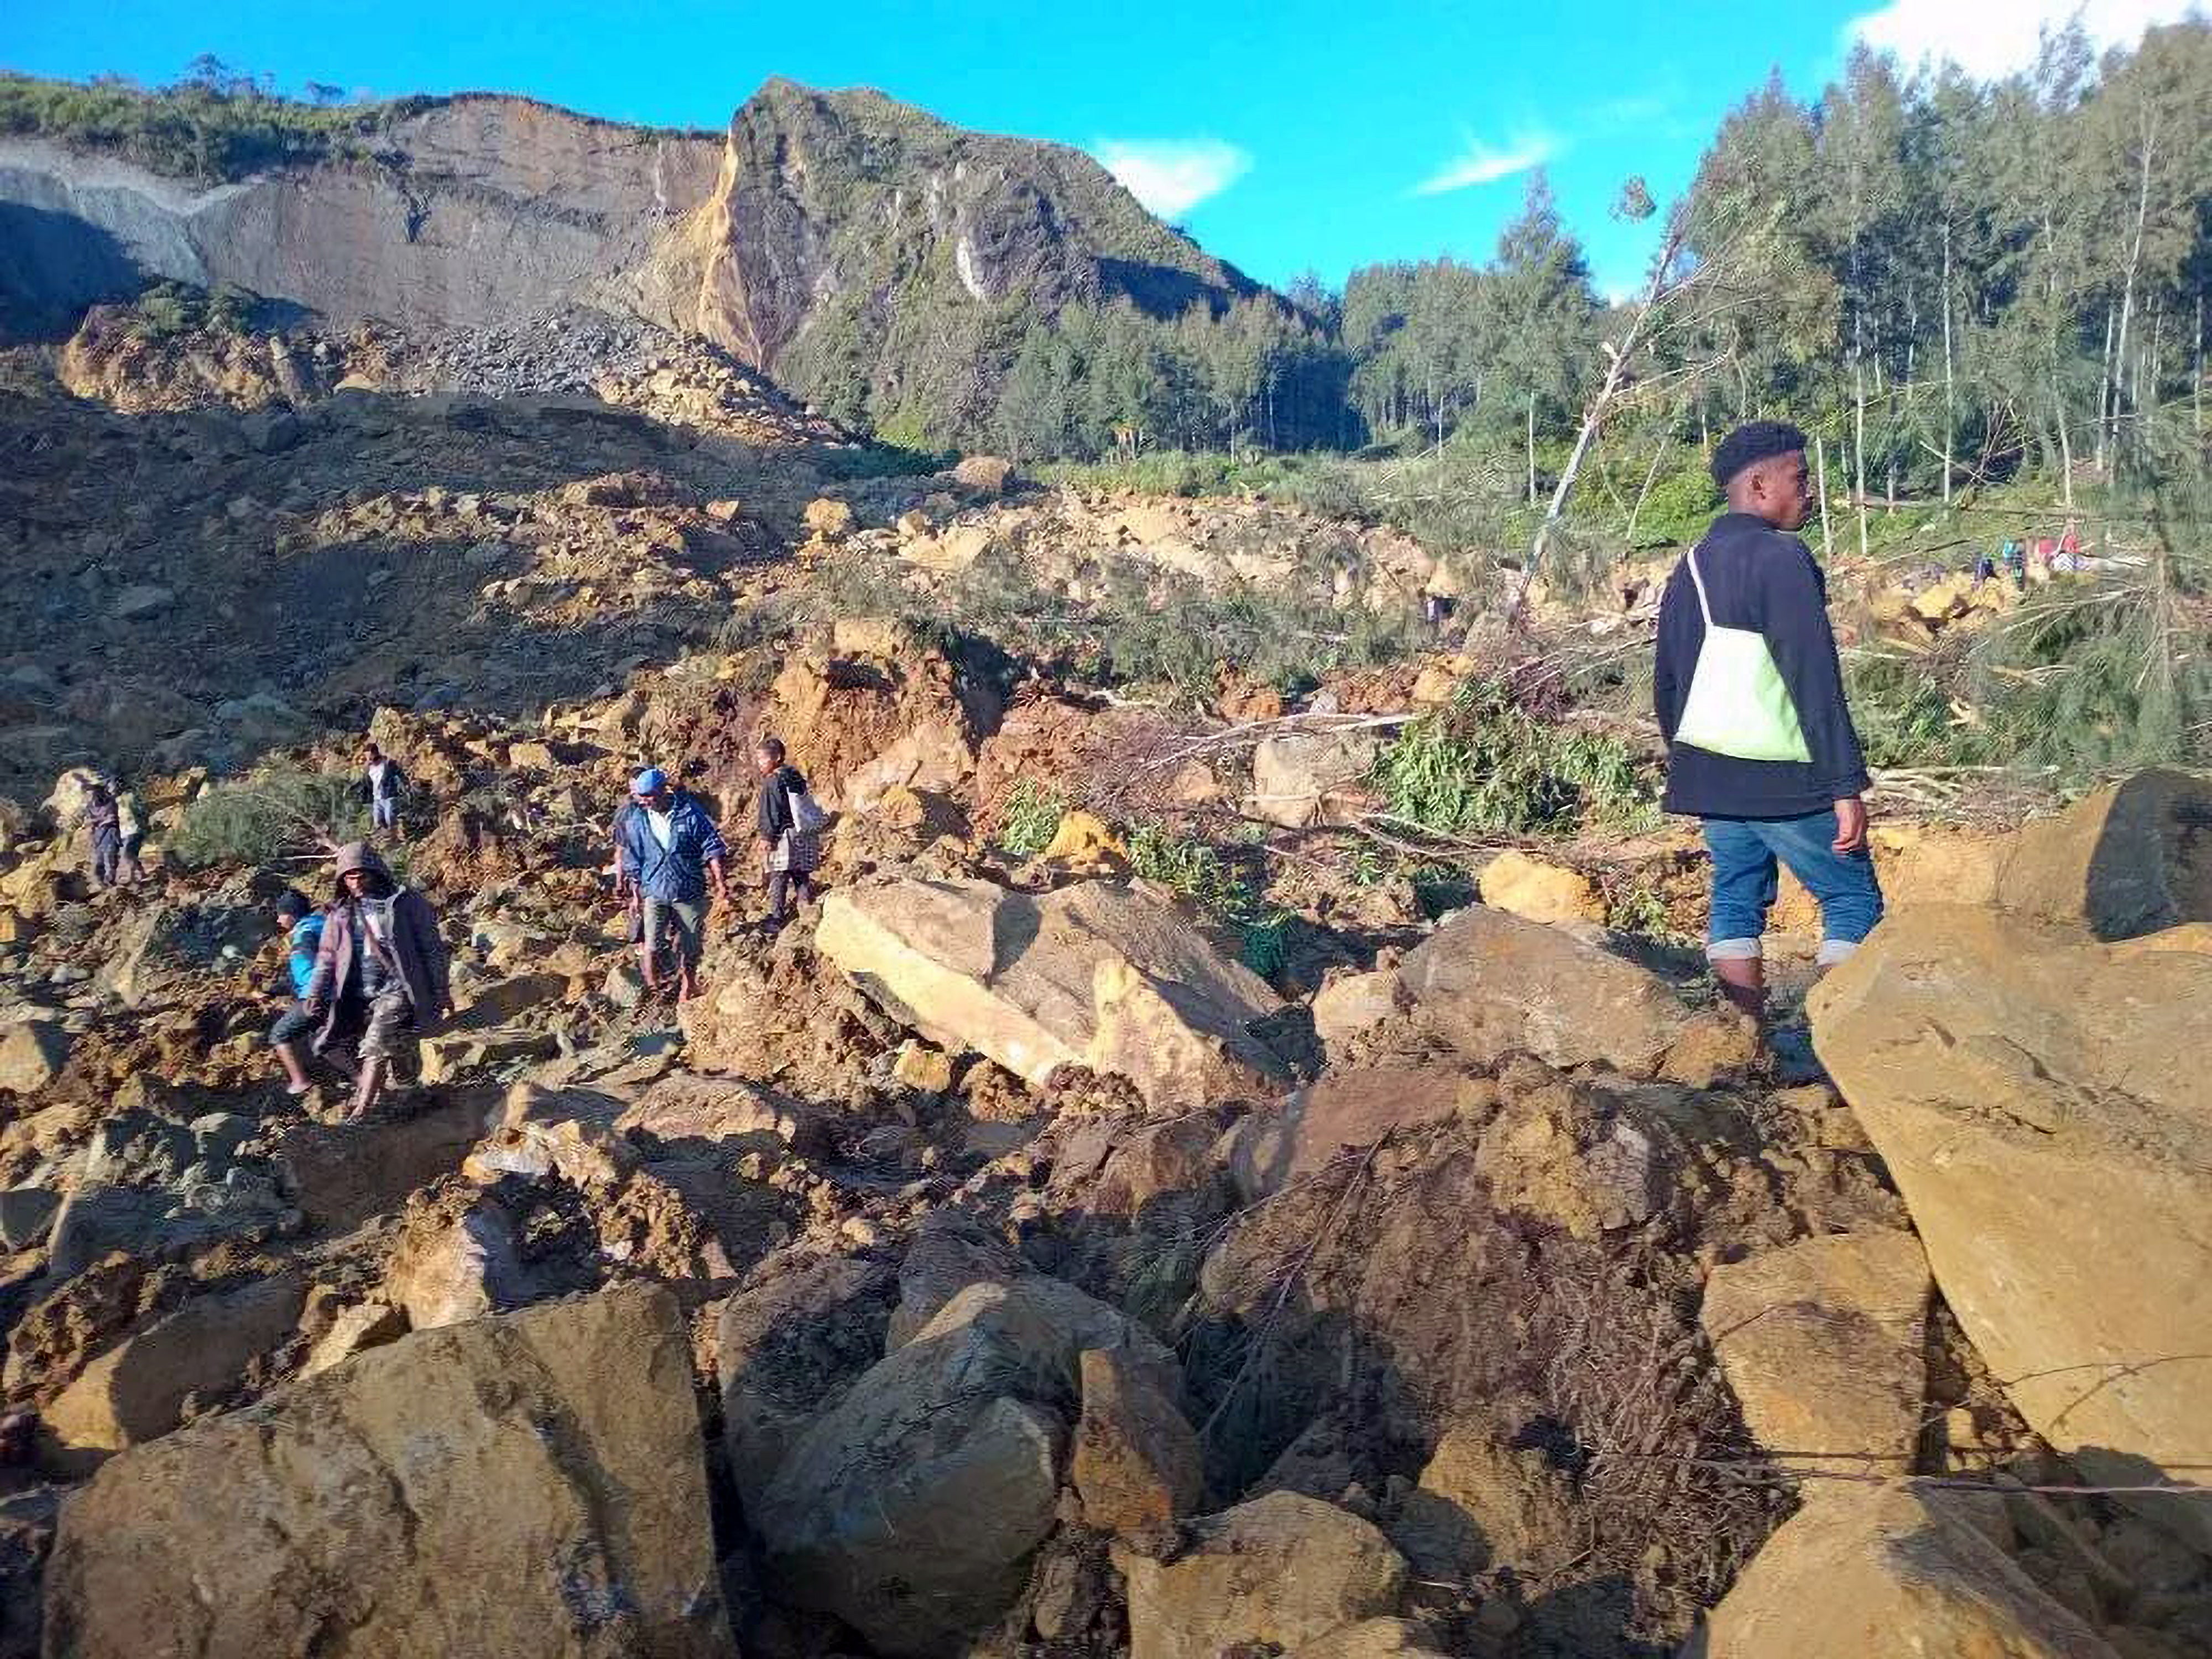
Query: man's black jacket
x=1758 y=578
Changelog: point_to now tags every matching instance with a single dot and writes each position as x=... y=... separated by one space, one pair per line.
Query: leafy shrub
x=277 y=818
x=1485 y=767
x=1032 y=819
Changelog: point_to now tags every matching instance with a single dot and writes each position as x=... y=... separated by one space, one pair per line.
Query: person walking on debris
x=667 y=848
x=381 y=782
x=789 y=831
x=1749 y=693
x=103 y=825
x=130 y=837
x=380 y=970
x=302 y=926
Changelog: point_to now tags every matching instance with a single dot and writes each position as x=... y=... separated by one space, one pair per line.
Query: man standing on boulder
x=381 y=782
x=790 y=847
x=665 y=848
x=1749 y=693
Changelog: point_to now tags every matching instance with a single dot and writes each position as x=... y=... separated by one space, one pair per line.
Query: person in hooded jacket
x=381 y=969
x=789 y=855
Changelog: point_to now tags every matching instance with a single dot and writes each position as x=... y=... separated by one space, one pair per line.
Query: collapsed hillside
x=1163 y=1198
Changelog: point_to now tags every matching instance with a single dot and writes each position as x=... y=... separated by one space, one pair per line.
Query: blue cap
x=651 y=781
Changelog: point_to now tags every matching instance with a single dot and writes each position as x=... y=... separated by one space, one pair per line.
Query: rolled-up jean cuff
x=1834 y=951
x=1733 y=949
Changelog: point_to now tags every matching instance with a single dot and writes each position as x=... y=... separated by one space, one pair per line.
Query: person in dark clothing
x=380 y=970
x=665 y=848
x=790 y=854
x=1749 y=693
x=103 y=823
x=302 y=924
x=381 y=786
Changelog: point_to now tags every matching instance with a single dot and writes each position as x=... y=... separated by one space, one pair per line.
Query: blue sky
x=1285 y=136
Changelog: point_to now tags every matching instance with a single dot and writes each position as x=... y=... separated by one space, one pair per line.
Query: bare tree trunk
x=1950 y=423
x=2196 y=376
x=1650 y=476
x=2107 y=406
x=2065 y=441
x=1858 y=450
x=1532 y=449
x=2134 y=264
x=1821 y=484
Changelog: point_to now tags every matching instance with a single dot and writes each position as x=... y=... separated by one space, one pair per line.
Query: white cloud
x=1171 y=177
x=1482 y=164
x=1991 y=39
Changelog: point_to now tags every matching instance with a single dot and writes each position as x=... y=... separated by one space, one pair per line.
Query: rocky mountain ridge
x=813 y=240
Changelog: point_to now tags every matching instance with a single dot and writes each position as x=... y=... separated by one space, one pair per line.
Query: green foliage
x=274 y=817
x=215 y=125
x=1904 y=718
x=1637 y=908
x=169 y=309
x=1030 y=820
x=1192 y=868
x=1484 y=766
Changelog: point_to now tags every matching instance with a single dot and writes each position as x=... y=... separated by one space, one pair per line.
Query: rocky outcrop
x=959 y=1439
x=1095 y=975
x=1488 y=981
x=1824 y=1342
x=830 y=202
x=2028 y=1092
x=524 y=1487
x=1864 y=1570
x=2130 y=858
x=475 y=210
x=1282 y=1570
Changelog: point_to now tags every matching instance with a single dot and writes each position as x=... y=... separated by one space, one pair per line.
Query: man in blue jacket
x=302 y=924
x=665 y=848
x=1773 y=778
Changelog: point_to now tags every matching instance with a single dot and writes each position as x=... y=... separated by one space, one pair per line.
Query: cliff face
x=840 y=214
x=864 y=252
x=477 y=211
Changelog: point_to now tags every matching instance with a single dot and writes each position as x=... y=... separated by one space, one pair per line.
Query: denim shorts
x=1746 y=855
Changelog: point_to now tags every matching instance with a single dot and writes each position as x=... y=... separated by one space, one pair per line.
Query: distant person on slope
x=380 y=970
x=667 y=848
x=103 y=826
x=130 y=832
x=302 y=926
x=789 y=831
x=1749 y=693
x=381 y=782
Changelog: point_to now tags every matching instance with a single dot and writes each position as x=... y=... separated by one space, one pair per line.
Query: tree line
x=1950 y=280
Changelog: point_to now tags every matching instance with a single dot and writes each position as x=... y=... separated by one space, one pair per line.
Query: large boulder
x=2132 y=857
x=1345 y=1112
x=1880 y=1570
x=911 y=1508
x=137 y=1390
x=530 y=1486
x=1112 y=977
x=1539 y=890
x=2031 y=1094
x=1300 y=778
x=1283 y=1569
x=1823 y=1342
x=1488 y=981
x=31 y=1055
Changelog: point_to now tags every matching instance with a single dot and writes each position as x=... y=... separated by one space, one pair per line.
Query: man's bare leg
x=1743 y=982
x=296 y=1073
x=372 y=1073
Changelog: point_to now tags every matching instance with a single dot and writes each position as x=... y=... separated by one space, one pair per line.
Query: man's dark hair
x=772 y=748
x=1747 y=446
x=293 y=904
x=372 y=751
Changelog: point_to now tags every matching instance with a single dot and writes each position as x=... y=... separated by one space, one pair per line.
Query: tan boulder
x=1283 y=1569
x=1348 y=1004
x=949 y=552
x=31 y=1055
x=1095 y=974
x=1300 y=778
x=137 y=1390
x=1540 y=889
x=829 y=518
x=920 y=1067
x=2028 y=1090
x=1136 y=1463
x=1345 y=1112
x=2132 y=858
x=1488 y=981
x=1823 y=1342
x=1869 y=1571
x=524 y=1487
x=1085 y=839
x=982 y=475
x=1482 y=1504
